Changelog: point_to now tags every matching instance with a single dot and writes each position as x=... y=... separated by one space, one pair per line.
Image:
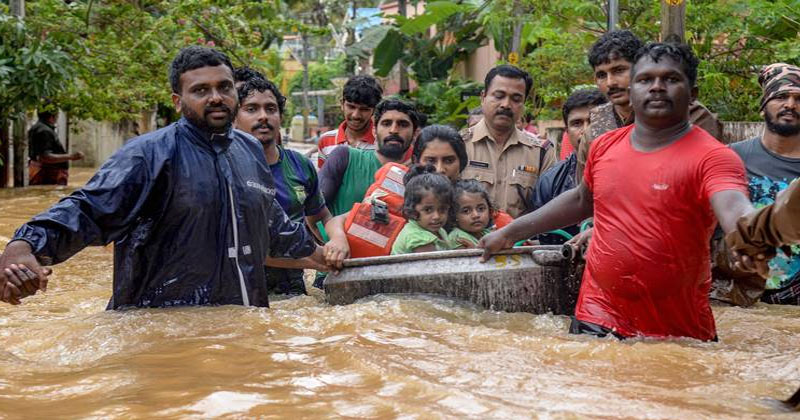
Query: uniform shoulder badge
x=533 y=139
x=466 y=133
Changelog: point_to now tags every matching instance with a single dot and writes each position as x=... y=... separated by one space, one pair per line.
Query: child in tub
x=472 y=214
x=426 y=205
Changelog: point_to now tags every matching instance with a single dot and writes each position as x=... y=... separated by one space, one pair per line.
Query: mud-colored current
x=63 y=355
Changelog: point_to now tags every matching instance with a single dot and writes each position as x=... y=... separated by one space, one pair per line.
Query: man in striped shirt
x=359 y=97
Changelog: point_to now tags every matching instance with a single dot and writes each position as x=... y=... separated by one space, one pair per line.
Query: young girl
x=426 y=205
x=472 y=214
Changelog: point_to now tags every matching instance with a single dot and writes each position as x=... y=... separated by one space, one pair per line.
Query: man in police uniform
x=508 y=161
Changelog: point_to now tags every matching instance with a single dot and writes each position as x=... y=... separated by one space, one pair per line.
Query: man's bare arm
x=567 y=209
x=729 y=206
x=51 y=158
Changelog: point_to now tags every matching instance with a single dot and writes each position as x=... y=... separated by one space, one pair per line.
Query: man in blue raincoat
x=190 y=208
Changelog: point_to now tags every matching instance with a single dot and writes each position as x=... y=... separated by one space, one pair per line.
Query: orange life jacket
x=388 y=187
x=501 y=219
x=371 y=229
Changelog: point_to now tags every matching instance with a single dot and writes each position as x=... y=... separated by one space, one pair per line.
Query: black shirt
x=42 y=139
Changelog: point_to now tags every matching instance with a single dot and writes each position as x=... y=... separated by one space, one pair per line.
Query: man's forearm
x=51 y=158
x=566 y=209
x=729 y=206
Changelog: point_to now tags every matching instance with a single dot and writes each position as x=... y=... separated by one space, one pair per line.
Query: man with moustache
x=349 y=172
x=772 y=162
x=505 y=159
x=611 y=58
x=656 y=190
x=261 y=107
x=360 y=95
x=191 y=208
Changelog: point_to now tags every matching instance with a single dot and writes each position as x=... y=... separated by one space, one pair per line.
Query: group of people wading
x=213 y=209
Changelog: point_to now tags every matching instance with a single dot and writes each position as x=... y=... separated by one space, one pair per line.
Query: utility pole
x=516 y=36
x=673 y=20
x=17 y=8
x=306 y=106
x=613 y=15
x=401 y=10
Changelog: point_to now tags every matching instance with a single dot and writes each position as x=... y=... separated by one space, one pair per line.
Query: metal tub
x=537 y=279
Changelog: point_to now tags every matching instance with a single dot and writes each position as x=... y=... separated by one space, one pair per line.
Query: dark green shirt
x=346 y=176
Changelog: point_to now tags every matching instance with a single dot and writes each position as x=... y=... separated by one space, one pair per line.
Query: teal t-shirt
x=456 y=234
x=414 y=236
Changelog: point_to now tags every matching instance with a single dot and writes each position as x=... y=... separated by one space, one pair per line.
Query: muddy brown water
x=63 y=355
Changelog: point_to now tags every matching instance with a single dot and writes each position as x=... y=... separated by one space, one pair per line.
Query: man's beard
x=270 y=141
x=391 y=149
x=203 y=122
x=783 y=130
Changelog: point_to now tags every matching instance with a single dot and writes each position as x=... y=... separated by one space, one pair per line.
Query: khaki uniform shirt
x=510 y=174
x=603 y=119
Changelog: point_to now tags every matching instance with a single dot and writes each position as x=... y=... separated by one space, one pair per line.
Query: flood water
x=63 y=355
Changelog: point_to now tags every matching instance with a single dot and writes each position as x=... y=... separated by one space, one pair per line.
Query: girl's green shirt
x=414 y=236
x=456 y=234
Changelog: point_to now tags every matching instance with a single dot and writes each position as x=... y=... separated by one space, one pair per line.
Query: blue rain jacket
x=192 y=219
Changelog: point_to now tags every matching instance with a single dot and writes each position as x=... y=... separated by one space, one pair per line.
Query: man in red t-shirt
x=359 y=97
x=656 y=190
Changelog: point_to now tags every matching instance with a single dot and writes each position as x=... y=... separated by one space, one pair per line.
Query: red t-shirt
x=332 y=139
x=566 y=147
x=648 y=268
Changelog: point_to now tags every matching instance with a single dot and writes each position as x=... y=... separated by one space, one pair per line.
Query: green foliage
x=122 y=50
x=447 y=102
x=458 y=32
x=108 y=59
x=732 y=38
x=319 y=75
x=32 y=69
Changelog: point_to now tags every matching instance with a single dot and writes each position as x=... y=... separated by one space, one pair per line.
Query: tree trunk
x=17 y=8
x=4 y=156
x=673 y=20
x=20 y=152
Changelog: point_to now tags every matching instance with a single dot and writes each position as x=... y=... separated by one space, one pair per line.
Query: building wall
x=479 y=62
x=98 y=140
